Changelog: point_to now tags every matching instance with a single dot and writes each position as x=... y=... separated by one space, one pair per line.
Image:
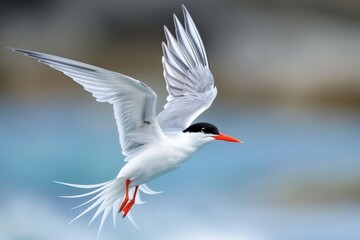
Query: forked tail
x=106 y=197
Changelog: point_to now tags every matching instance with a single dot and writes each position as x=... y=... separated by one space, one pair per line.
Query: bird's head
x=208 y=132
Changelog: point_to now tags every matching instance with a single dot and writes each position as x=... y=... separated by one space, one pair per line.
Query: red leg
x=130 y=204
x=126 y=198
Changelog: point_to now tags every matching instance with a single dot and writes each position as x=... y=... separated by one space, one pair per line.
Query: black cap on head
x=203 y=127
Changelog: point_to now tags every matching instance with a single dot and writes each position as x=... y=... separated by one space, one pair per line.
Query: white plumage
x=152 y=145
x=189 y=81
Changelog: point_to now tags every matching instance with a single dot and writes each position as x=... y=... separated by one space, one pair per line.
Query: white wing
x=189 y=81
x=134 y=103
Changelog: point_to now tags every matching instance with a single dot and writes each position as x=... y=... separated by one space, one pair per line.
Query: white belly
x=157 y=159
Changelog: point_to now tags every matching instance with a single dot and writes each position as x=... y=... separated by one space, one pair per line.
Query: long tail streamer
x=105 y=198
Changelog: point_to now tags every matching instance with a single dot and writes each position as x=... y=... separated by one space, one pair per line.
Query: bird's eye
x=202 y=130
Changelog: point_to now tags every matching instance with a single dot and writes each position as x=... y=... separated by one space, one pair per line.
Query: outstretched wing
x=134 y=103
x=189 y=81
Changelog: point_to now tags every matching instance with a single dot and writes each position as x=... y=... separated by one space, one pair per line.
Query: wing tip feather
x=184 y=9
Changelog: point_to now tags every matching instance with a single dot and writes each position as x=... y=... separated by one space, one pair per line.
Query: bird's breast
x=157 y=159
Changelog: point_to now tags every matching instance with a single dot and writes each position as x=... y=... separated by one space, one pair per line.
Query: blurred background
x=288 y=78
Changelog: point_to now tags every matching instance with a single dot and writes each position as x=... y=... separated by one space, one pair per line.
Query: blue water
x=228 y=191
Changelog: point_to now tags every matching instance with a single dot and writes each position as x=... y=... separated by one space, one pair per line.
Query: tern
x=152 y=145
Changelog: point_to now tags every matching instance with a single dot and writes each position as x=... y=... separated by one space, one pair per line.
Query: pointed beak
x=224 y=137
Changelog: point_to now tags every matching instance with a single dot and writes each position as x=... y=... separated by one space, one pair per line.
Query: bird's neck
x=193 y=141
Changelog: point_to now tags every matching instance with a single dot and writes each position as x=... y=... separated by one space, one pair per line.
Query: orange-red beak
x=225 y=137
